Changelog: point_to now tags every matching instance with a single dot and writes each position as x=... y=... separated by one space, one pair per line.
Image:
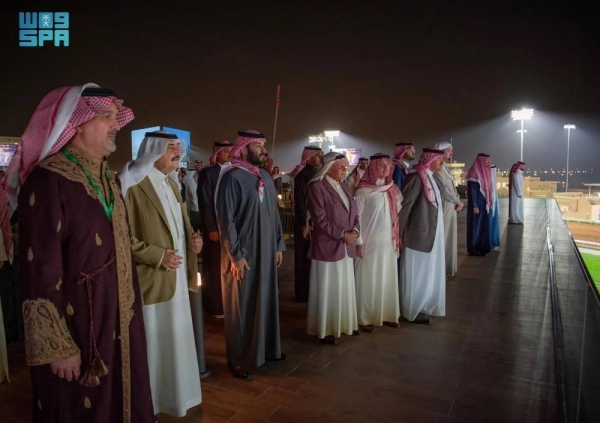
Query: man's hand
x=360 y=251
x=350 y=237
x=400 y=243
x=1 y=264
x=238 y=267
x=69 y=368
x=279 y=258
x=307 y=232
x=196 y=243
x=459 y=207
x=171 y=260
x=213 y=236
x=476 y=210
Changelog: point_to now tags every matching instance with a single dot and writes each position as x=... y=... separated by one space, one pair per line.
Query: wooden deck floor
x=489 y=360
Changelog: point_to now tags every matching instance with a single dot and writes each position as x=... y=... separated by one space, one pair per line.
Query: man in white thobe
x=451 y=203
x=516 y=207
x=165 y=248
x=356 y=175
x=376 y=273
x=422 y=235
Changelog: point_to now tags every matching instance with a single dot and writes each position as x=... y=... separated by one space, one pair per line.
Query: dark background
x=380 y=72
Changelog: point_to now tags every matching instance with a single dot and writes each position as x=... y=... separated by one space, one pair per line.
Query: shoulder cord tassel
x=97 y=367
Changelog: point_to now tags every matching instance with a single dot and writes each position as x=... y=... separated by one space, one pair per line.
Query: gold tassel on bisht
x=91 y=377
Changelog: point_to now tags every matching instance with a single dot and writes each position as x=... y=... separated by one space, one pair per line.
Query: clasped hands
x=171 y=260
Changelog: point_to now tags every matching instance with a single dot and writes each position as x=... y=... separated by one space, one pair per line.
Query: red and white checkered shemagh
x=237 y=161
x=51 y=127
x=306 y=156
x=399 y=151
x=421 y=168
x=369 y=180
x=480 y=173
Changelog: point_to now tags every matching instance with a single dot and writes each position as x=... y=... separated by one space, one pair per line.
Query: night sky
x=380 y=72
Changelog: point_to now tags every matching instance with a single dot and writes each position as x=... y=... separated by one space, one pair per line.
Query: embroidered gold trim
x=114 y=335
x=126 y=294
x=39 y=404
x=29 y=254
x=32 y=199
x=59 y=284
x=59 y=226
x=98 y=240
x=47 y=337
x=87 y=403
x=58 y=163
x=70 y=310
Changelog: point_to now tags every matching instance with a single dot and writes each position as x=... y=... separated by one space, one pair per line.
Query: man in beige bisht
x=451 y=204
x=165 y=248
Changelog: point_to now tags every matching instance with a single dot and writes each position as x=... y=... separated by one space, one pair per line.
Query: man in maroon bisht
x=84 y=329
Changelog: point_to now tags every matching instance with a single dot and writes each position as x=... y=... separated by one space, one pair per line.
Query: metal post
x=522 y=133
x=275 y=125
x=568 y=144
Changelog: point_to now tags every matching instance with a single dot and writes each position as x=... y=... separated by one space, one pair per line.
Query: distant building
x=457 y=171
x=577 y=205
x=533 y=187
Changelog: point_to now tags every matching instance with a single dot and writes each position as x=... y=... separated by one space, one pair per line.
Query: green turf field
x=593 y=264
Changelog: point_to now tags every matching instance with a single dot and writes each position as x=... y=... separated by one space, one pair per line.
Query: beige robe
x=450 y=199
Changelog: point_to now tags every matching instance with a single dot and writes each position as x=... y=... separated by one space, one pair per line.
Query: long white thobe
x=450 y=199
x=332 y=292
x=172 y=360
x=424 y=274
x=376 y=274
x=517 y=212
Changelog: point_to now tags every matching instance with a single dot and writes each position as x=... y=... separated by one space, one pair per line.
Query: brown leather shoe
x=367 y=328
x=391 y=324
x=239 y=372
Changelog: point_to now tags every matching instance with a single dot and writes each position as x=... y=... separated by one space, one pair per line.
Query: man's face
x=383 y=168
x=409 y=154
x=447 y=154
x=315 y=160
x=363 y=164
x=97 y=136
x=170 y=160
x=436 y=165
x=255 y=153
x=198 y=166
x=223 y=155
x=488 y=162
x=338 y=170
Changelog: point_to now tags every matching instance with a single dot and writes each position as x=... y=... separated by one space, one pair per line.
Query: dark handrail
x=559 y=345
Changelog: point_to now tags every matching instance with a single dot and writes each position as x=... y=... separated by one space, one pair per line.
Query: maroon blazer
x=330 y=219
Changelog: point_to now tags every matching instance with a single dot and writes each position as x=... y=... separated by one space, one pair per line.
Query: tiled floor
x=489 y=360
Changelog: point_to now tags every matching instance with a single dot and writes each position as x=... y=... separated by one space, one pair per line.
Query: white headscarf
x=328 y=160
x=443 y=145
x=153 y=147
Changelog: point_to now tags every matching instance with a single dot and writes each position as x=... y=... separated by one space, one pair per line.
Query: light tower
x=522 y=115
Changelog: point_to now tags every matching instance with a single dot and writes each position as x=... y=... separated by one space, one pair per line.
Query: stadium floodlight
x=522 y=115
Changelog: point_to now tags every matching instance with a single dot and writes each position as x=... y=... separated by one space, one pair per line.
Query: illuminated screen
x=6 y=153
x=137 y=137
x=352 y=154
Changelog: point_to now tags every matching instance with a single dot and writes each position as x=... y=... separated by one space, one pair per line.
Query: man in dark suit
x=212 y=298
x=302 y=174
x=335 y=242
x=422 y=237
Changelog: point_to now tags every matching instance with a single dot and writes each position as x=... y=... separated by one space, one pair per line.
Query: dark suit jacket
x=207 y=183
x=418 y=217
x=300 y=193
x=330 y=219
x=150 y=236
